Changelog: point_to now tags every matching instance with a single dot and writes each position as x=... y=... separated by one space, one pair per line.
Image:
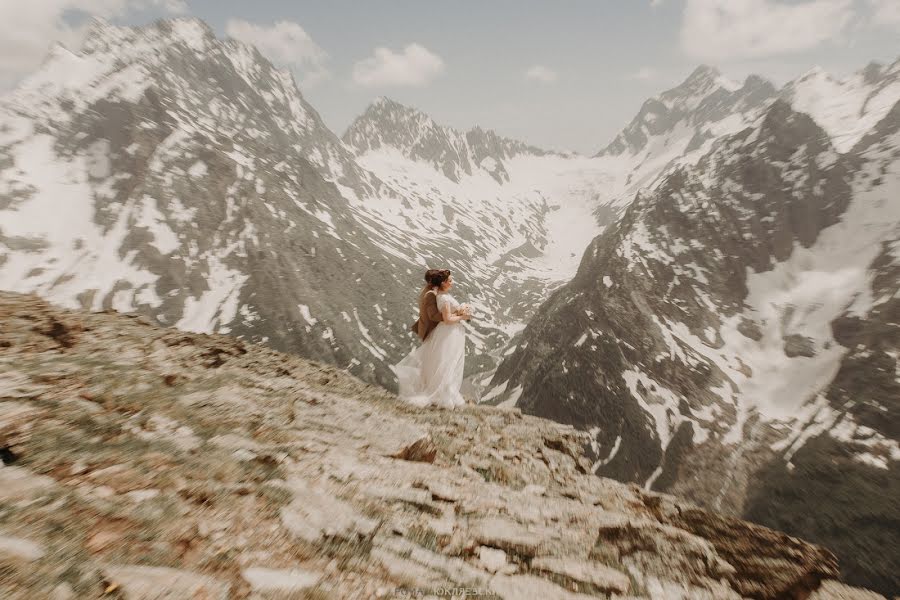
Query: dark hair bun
x=436 y=277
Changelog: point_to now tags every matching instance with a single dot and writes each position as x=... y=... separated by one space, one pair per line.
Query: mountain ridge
x=702 y=333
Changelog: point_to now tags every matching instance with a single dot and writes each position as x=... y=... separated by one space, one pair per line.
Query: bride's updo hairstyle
x=437 y=277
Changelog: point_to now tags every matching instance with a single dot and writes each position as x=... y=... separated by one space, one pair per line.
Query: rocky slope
x=846 y=107
x=734 y=338
x=142 y=462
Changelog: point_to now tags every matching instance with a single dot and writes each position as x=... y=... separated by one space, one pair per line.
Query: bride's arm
x=450 y=317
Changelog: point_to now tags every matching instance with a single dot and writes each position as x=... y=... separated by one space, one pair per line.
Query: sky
x=558 y=75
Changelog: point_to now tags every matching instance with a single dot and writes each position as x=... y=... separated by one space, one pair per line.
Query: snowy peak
x=197 y=82
x=697 y=109
x=161 y=170
x=188 y=32
x=389 y=125
x=846 y=107
x=700 y=83
x=733 y=338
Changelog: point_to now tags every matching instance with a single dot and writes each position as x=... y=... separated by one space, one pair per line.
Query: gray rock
x=835 y=590
x=262 y=579
x=20 y=548
x=798 y=345
x=17 y=483
x=314 y=515
x=593 y=575
x=139 y=582
x=515 y=587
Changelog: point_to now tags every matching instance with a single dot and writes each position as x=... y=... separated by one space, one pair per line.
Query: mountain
x=387 y=123
x=141 y=462
x=680 y=124
x=846 y=108
x=164 y=171
x=733 y=339
x=511 y=218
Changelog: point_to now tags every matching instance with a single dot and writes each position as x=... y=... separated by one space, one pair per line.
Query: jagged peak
x=815 y=72
x=384 y=107
x=872 y=72
x=783 y=127
x=190 y=31
x=703 y=73
x=754 y=81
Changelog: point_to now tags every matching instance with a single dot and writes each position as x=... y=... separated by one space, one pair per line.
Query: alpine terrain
x=734 y=338
x=150 y=463
x=708 y=307
x=164 y=171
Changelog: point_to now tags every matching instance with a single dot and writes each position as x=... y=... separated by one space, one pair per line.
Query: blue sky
x=565 y=75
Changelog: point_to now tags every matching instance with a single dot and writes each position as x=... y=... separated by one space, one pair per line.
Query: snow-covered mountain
x=734 y=338
x=846 y=108
x=730 y=335
x=386 y=123
x=680 y=125
x=162 y=170
x=513 y=219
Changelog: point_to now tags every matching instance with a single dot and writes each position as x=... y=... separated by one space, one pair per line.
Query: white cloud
x=414 y=66
x=655 y=3
x=28 y=29
x=885 y=13
x=643 y=74
x=734 y=29
x=541 y=74
x=286 y=44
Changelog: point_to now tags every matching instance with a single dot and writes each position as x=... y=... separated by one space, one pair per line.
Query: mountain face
x=163 y=171
x=680 y=125
x=386 y=123
x=199 y=188
x=511 y=219
x=690 y=111
x=143 y=462
x=846 y=108
x=733 y=338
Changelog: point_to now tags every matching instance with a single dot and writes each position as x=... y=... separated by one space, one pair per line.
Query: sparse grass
x=423 y=536
x=315 y=594
x=500 y=473
x=348 y=553
x=275 y=494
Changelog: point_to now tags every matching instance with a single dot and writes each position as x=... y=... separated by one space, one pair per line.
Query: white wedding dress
x=432 y=374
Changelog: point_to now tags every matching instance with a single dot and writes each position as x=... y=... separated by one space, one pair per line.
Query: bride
x=432 y=374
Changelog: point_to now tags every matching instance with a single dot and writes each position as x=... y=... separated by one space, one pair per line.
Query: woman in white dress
x=432 y=374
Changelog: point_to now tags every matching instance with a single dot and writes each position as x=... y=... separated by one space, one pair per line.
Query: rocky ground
x=142 y=462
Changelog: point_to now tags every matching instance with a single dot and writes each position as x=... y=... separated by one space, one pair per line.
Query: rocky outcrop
x=151 y=463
